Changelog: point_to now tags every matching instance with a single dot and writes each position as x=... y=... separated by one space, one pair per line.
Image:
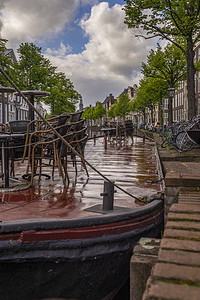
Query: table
x=5 y=139
x=32 y=94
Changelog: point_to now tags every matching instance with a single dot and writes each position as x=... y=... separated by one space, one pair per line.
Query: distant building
x=131 y=91
x=5 y=98
x=108 y=102
x=81 y=105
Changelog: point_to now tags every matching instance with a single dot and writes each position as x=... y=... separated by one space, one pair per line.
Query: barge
x=53 y=244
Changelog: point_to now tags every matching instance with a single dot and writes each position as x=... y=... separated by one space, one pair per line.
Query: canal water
x=131 y=166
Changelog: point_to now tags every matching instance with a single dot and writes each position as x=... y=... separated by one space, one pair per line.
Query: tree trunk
x=192 y=103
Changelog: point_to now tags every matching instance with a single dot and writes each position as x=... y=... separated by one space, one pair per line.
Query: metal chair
x=17 y=145
x=46 y=148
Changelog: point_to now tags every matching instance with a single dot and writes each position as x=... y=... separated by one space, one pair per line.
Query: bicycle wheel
x=183 y=143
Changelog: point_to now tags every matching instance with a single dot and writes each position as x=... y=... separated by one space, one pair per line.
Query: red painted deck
x=131 y=166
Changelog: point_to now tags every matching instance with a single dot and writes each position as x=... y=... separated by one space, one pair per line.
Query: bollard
x=108 y=196
x=105 y=142
x=94 y=137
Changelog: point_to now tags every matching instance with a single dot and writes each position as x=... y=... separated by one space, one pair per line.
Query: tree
x=122 y=106
x=34 y=71
x=88 y=113
x=151 y=91
x=168 y=65
x=99 y=111
x=63 y=97
x=177 y=21
x=111 y=111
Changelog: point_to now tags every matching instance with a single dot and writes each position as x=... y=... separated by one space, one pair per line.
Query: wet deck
x=132 y=167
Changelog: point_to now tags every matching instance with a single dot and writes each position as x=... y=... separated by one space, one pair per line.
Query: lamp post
x=162 y=111
x=171 y=92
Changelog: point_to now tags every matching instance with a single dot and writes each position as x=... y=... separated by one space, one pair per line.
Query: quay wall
x=174 y=270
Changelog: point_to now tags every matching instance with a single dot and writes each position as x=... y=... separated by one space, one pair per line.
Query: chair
x=78 y=142
x=18 y=126
x=76 y=116
x=17 y=146
x=46 y=147
x=31 y=135
x=129 y=129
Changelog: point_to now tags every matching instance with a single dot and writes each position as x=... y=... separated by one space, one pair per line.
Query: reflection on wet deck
x=130 y=166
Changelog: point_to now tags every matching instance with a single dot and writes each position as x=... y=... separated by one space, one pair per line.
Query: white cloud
x=28 y=20
x=111 y=59
x=109 y=62
x=62 y=51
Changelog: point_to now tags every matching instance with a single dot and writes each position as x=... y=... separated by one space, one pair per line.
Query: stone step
x=166 y=290
x=185 y=180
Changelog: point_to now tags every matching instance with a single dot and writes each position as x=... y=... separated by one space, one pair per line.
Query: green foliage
x=88 y=113
x=92 y=113
x=99 y=111
x=167 y=19
x=122 y=106
x=150 y=92
x=168 y=65
x=35 y=72
x=132 y=106
x=33 y=68
x=111 y=111
x=177 y=21
x=63 y=96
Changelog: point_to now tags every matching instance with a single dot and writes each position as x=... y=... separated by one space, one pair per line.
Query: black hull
x=71 y=269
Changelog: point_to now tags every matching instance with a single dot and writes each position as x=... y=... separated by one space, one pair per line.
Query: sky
x=85 y=39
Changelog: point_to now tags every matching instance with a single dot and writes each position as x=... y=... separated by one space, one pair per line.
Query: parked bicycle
x=177 y=136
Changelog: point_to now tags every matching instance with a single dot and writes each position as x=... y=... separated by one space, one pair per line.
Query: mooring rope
x=62 y=139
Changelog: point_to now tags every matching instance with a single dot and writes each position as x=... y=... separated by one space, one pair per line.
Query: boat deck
x=132 y=167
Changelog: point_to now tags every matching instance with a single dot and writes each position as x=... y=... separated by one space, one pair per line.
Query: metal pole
x=171 y=111
x=6 y=163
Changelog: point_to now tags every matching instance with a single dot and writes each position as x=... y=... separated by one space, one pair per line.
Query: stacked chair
x=46 y=149
x=17 y=145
